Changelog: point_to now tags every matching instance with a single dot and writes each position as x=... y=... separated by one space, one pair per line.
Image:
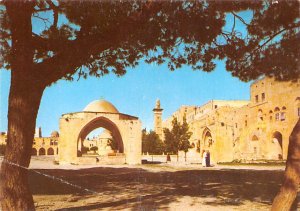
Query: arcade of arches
x=45 y=145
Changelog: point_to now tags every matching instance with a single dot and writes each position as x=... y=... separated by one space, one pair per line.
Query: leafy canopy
x=98 y=37
x=177 y=139
x=151 y=143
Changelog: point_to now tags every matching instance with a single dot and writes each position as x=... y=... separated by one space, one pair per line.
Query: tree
x=178 y=137
x=103 y=37
x=151 y=143
x=94 y=148
x=271 y=47
x=184 y=143
x=170 y=145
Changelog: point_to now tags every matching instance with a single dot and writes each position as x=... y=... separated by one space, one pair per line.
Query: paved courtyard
x=153 y=187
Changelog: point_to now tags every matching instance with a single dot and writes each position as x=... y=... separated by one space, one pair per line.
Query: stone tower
x=38 y=132
x=157 y=119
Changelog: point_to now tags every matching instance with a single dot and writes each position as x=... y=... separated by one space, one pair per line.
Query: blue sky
x=135 y=93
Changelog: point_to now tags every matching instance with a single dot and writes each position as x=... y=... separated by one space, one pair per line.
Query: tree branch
x=233 y=27
x=240 y=18
x=276 y=34
x=55 y=13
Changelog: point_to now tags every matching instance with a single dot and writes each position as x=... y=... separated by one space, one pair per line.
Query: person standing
x=168 y=158
x=203 y=158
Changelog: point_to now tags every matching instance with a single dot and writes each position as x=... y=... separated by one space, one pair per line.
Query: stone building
x=3 y=138
x=258 y=129
x=45 y=145
x=102 y=143
x=41 y=145
x=75 y=127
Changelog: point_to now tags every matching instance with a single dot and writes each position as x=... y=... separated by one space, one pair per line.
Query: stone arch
x=207 y=138
x=254 y=138
x=271 y=115
x=50 y=151
x=33 y=151
x=42 y=151
x=277 y=140
x=255 y=145
x=99 y=122
x=260 y=114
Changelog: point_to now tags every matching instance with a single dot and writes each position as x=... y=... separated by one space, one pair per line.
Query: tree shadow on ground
x=138 y=188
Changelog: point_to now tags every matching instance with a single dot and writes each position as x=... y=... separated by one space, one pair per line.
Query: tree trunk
x=24 y=100
x=288 y=192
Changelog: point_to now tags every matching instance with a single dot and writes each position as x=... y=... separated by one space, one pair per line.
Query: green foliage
x=151 y=143
x=94 y=148
x=177 y=139
x=113 y=36
x=2 y=149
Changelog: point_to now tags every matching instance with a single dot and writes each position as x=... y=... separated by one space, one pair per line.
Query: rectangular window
x=263 y=97
x=216 y=106
x=246 y=123
x=299 y=112
x=256 y=98
x=282 y=116
x=277 y=116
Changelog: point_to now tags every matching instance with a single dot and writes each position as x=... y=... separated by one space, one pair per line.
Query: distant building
x=3 y=138
x=45 y=145
x=245 y=130
x=41 y=145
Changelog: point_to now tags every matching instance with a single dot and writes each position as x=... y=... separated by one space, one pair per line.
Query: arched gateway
x=125 y=129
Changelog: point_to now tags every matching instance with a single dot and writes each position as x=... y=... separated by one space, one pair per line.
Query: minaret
x=38 y=132
x=157 y=119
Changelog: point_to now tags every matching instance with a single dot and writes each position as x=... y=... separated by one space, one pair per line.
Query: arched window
x=260 y=115
x=282 y=114
x=271 y=115
x=277 y=114
x=254 y=138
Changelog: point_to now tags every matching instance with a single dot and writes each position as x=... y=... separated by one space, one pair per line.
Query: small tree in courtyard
x=178 y=137
x=94 y=148
x=184 y=143
x=151 y=143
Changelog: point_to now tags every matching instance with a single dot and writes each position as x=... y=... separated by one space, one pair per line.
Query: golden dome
x=101 y=106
